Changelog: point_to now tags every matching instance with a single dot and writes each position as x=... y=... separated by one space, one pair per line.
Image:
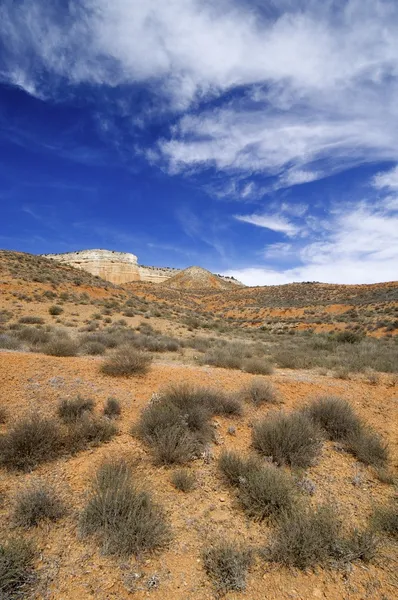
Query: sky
x=255 y=138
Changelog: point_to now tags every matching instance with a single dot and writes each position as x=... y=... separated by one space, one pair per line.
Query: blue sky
x=256 y=138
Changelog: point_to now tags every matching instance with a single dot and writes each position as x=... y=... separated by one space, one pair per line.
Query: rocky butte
x=118 y=267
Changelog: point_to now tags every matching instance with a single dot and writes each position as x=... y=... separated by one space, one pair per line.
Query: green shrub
x=31 y=320
x=35 y=504
x=112 y=408
x=8 y=342
x=259 y=392
x=227 y=566
x=183 y=480
x=16 y=568
x=288 y=439
x=55 y=310
x=29 y=442
x=126 y=361
x=348 y=337
x=70 y=410
x=235 y=468
x=335 y=416
x=94 y=348
x=123 y=518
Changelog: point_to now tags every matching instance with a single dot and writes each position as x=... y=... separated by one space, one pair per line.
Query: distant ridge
x=198 y=278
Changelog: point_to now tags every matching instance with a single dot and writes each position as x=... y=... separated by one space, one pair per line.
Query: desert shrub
x=35 y=504
x=334 y=415
x=61 y=346
x=227 y=566
x=123 y=518
x=30 y=441
x=16 y=568
x=70 y=410
x=55 y=310
x=288 y=439
x=9 y=342
x=177 y=425
x=126 y=361
x=264 y=490
x=368 y=447
x=230 y=356
x=290 y=358
x=259 y=392
x=33 y=336
x=89 y=431
x=305 y=538
x=183 y=480
x=235 y=468
x=31 y=320
x=257 y=366
x=348 y=337
x=94 y=348
x=385 y=519
x=112 y=408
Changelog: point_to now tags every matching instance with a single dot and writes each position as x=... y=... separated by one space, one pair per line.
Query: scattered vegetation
x=258 y=366
x=55 y=310
x=335 y=416
x=292 y=440
x=123 y=518
x=227 y=565
x=37 y=503
x=385 y=519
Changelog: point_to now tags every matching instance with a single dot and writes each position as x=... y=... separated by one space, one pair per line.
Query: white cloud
x=359 y=245
x=278 y=251
x=274 y=222
x=321 y=77
x=387 y=180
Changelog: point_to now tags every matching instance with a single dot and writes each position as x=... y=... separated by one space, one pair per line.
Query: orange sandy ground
x=70 y=568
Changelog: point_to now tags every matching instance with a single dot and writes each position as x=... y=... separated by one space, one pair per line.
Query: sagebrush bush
x=227 y=565
x=306 y=537
x=177 y=425
x=259 y=392
x=183 y=480
x=112 y=408
x=31 y=320
x=126 y=360
x=37 y=503
x=55 y=310
x=8 y=342
x=89 y=431
x=258 y=366
x=70 y=410
x=94 y=348
x=335 y=416
x=368 y=447
x=61 y=346
x=292 y=440
x=29 y=442
x=264 y=490
x=16 y=568
x=385 y=519
x=125 y=519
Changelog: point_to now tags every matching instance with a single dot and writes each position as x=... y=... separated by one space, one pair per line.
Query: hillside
x=85 y=374
x=197 y=278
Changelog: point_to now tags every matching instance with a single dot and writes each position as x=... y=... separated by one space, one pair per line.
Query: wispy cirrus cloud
x=269 y=221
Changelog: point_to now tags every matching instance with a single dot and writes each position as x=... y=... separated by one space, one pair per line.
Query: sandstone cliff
x=116 y=267
x=156 y=274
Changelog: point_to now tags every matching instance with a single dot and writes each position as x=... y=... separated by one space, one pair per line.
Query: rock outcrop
x=116 y=267
x=156 y=274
